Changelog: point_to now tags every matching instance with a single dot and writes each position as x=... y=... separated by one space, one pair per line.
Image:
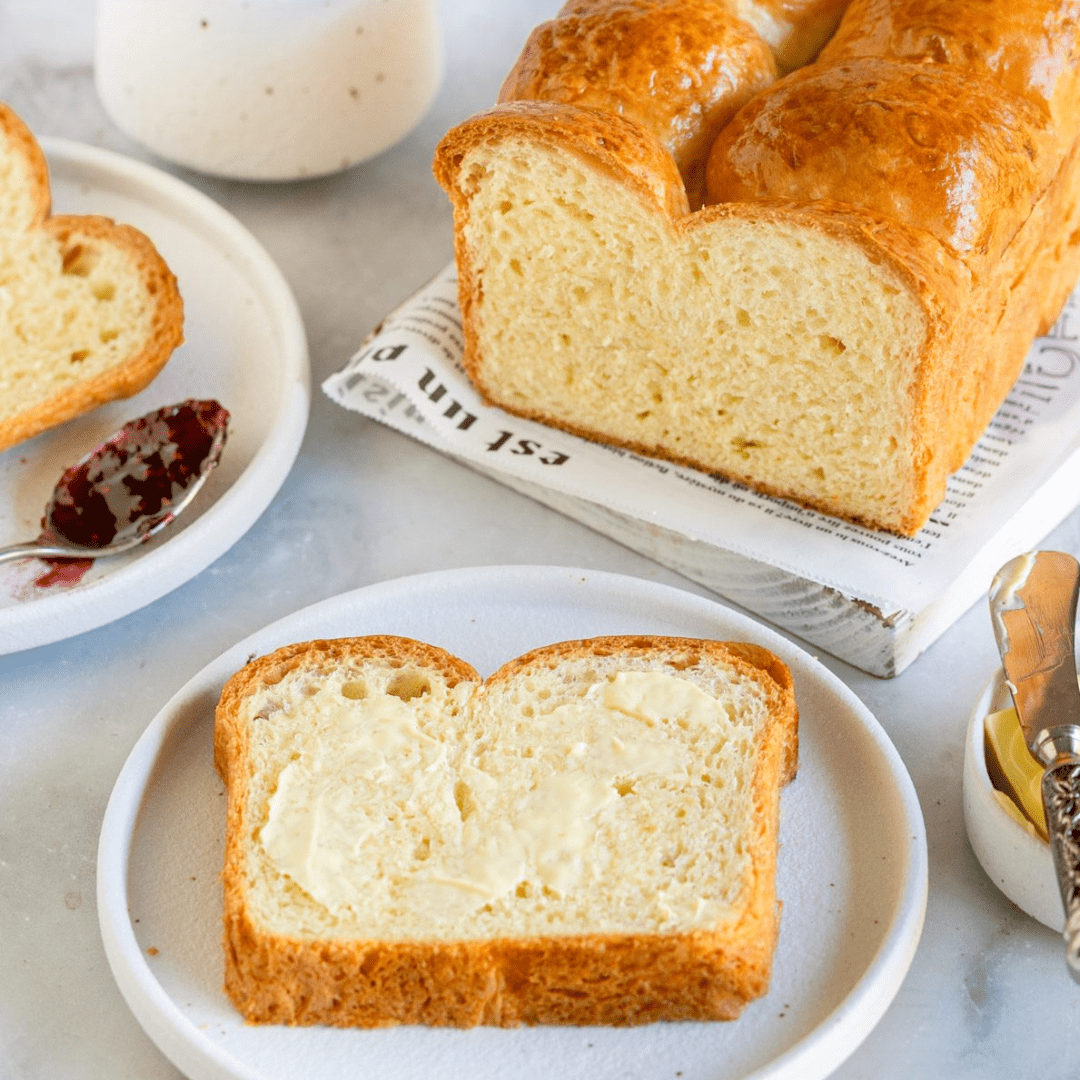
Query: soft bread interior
x=588 y=794
x=347 y=774
x=72 y=307
x=757 y=349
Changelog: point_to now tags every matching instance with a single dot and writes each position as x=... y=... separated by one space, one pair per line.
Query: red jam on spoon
x=130 y=487
x=136 y=479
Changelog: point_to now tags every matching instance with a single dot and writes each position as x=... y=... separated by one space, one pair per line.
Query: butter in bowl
x=998 y=785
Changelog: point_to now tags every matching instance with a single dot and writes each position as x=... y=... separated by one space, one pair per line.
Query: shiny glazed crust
x=70 y=237
x=1029 y=47
x=897 y=138
x=578 y=979
x=700 y=70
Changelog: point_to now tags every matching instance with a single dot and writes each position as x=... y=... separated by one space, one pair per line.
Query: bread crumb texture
x=89 y=311
x=612 y=803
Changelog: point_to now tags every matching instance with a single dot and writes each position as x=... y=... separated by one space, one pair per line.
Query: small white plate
x=852 y=871
x=244 y=346
x=1017 y=861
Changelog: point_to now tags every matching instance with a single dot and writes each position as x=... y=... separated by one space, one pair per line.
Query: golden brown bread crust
x=1042 y=266
x=26 y=146
x=681 y=68
x=579 y=979
x=1029 y=47
x=586 y=980
x=933 y=146
x=1019 y=297
x=795 y=29
x=166 y=329
x=614 y=144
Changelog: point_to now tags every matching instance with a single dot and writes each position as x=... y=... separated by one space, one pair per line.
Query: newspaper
x=409 y=375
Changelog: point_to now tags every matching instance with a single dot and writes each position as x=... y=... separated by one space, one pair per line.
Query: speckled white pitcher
x=267 y=89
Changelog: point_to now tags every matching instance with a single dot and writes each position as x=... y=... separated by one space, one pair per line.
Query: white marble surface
x=987 y=995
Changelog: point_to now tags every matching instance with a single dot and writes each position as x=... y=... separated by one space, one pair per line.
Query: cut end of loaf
x=753 y=342
x=589 y=836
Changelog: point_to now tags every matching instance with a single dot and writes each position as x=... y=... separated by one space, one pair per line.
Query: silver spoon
x=131 y=486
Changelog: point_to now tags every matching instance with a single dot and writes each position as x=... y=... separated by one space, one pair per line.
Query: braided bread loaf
x=821 y=284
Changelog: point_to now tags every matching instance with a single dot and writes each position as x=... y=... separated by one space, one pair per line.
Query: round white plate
x=244 y=345
x=852 y=870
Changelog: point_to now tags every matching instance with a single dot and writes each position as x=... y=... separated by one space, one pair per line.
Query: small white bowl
x=1017 y=861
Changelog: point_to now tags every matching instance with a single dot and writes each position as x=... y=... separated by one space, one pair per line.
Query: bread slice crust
x=580 y=978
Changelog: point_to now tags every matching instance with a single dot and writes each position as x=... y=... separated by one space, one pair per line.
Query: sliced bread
x=89 y=311
x=589 y=836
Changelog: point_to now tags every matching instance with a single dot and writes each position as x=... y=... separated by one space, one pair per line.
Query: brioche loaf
x=587 y=837
x=89 y=312
x=884 y=231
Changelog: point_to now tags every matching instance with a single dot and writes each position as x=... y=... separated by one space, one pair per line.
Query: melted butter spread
x=319 y=822
x=491 y=829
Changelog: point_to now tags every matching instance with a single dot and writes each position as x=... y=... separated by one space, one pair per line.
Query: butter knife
x=1033 y=608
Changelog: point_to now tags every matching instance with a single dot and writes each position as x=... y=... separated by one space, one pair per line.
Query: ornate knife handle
x=1061 y=800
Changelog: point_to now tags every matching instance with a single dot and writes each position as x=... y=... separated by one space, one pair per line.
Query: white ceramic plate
x=244 y=345
x=852 y=872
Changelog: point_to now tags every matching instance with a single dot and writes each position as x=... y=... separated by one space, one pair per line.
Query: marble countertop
x=987 y=993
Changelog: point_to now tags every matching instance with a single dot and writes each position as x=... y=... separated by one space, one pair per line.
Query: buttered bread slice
x=589 y=836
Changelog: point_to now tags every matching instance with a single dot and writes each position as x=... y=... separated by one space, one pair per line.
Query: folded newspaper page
x=408 y=375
